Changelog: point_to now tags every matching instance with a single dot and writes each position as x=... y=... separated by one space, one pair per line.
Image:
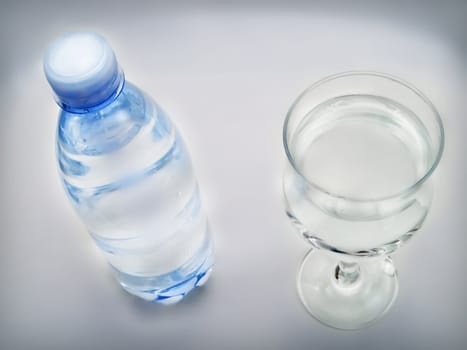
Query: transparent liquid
x=359 y=151
x=130 y=178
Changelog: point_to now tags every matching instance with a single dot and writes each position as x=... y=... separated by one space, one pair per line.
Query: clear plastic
x=129 y=176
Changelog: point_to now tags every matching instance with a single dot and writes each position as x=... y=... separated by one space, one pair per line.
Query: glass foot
x=346 y=295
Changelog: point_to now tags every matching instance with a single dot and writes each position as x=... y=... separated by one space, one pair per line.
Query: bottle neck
x=100 y=100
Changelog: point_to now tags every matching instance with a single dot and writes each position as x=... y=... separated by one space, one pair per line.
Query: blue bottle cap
x=82 y=70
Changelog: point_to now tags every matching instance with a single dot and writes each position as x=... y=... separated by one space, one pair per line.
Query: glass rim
x=395 y=79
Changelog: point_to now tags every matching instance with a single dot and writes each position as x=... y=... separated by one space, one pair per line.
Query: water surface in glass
x=358 y=151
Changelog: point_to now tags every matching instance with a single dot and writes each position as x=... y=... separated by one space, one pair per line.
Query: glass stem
x=347 y=273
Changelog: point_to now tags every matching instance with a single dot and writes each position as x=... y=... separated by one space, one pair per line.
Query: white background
x=226 y=74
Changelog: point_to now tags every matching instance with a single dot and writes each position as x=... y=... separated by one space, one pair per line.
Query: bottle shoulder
x=112 y=127
x=129 y=137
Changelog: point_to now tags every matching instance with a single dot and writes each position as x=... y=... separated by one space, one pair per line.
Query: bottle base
x=172 y=287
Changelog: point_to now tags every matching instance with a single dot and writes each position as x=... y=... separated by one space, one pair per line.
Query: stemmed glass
x=361 y=148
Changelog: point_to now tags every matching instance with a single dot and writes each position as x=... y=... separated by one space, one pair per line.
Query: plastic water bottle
x=127 y=173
